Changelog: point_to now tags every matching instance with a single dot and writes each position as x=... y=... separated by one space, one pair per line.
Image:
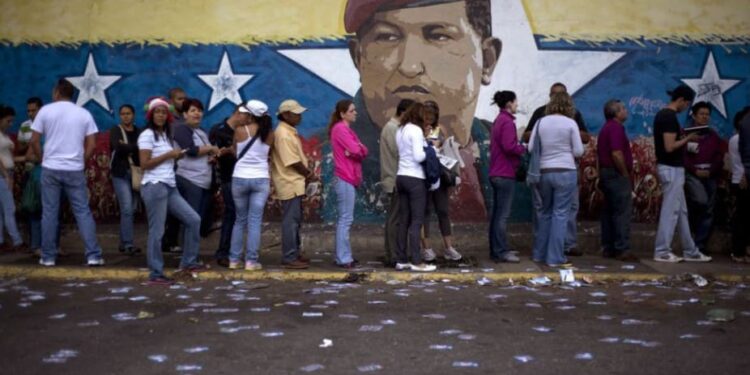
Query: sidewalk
x=367 y=244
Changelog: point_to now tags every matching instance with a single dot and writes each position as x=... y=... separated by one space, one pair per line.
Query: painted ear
x=491 y=48
x=355 y=51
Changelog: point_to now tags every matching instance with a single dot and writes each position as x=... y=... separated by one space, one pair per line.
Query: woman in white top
x=741 y=191
x=250 y=183
x=412 y=191
x=8 y=209
x=160 y=195
x=561 y=144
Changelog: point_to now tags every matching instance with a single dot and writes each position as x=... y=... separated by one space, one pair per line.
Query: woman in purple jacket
x=348 y=153
x=505 y=156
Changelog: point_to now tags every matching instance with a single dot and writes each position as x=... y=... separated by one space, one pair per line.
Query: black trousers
x=391 y=228
x=412 y=197
x=439 y=199
x=740 y=220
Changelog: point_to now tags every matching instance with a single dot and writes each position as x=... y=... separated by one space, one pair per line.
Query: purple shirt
x=348 y=153
x=505 y=151
x=710 y=154
x=612 y=138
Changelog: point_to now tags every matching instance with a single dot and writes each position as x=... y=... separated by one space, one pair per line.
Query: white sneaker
x=424 y=267
x=95 y=262
x=428 y=255
x=668 y=258
x=700 y=257
x=451 y=254
x=47 y=263
x=251 y=265
x=403 y=266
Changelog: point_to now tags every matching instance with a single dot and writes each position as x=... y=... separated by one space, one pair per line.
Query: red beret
x=358 y=11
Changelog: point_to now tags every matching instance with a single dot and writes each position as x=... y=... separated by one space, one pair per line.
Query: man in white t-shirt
x=70 y=136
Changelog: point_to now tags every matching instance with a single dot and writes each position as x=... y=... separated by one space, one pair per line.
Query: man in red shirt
x=615 y=168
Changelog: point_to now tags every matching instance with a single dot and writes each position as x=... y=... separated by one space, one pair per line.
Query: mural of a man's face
x=424 y=53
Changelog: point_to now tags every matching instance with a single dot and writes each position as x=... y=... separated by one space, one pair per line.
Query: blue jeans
x=126 y=201
x=35 y=232
x=345 y=194
x=557 y=190
x=73 y=183
x=249 y=196
x=502 y=200
x=227 y=222
x=616 y=212
x=571 y=234
x=673 y=212
x=8 y=216
x=160 y=198
x=701 y=199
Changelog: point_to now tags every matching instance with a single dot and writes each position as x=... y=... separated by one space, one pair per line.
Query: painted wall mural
x=456 y=52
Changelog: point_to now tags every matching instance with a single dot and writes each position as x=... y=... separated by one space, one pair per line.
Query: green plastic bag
x=31 y=198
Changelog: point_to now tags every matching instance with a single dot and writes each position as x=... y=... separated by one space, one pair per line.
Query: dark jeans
x=440 y=200
x=740 y=220
x=197 y=197
x=412 y=194
x=227 y=222
x=502 y=200
x=618 y=203
x=701 y=198
x=391 y=228
x=291 y=220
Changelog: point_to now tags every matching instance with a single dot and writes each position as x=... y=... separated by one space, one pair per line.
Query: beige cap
x=291 y=105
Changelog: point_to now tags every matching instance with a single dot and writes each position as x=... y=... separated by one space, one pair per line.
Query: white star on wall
x=710 y=87
x=523 y=68
x=92 y=86
x=225 y=84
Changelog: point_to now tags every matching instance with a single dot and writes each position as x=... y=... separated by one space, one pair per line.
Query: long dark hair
x=414 y=114
x=264 y=126
x=167 y=128
x=341 y=106
x=432 y=106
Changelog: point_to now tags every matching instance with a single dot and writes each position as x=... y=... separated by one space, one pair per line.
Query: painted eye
x=387 y=37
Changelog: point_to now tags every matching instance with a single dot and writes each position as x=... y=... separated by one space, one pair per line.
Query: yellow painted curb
x=38 y=272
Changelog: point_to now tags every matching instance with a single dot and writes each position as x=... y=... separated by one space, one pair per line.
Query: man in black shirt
x=571 y=238
x=222 y=136
x=669 y=145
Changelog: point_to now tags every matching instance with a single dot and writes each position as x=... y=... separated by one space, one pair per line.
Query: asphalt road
x=118 y=327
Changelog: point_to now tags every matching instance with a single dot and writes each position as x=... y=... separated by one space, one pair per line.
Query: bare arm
x=671 y=144
x=89 y=145
x=35 y=145
x=147 y=162
x=619 y=159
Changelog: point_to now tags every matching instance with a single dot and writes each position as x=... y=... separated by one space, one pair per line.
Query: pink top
x=348 y=153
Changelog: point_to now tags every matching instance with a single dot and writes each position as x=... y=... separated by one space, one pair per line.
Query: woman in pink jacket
x=348 y=153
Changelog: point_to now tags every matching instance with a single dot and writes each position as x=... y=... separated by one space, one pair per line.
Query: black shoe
x=223 y=262
x=160 y=280
x=130 y=250
x=574 y=252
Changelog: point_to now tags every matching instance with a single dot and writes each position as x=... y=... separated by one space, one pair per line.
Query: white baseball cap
x=254 y=107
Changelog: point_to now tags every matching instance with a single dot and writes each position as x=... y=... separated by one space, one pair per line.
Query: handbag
x=534 y=172
x=136 y=173
x=31 y=197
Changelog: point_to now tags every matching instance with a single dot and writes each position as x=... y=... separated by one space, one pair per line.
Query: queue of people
x=176 y=167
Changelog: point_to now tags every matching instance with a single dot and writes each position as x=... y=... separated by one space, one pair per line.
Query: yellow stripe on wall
x=170 y=21
x=248 y=22
x=703 y=21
